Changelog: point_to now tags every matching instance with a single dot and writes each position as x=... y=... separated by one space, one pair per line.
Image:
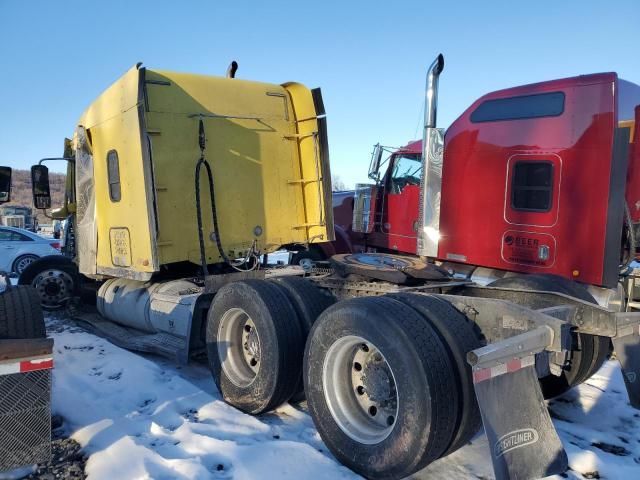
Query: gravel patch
x=67 y=459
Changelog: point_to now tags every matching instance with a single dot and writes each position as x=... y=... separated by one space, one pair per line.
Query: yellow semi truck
x=176 y=185
x=136 y=150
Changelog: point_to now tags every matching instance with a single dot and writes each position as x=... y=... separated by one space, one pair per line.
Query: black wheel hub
x=51 y=288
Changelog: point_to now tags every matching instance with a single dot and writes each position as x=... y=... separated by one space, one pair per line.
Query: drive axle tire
x=380 y=387
x=55 y=279
x=20 y=314
x=309 y=302
x=254 y=345
x=459 y=336
x=592 y=349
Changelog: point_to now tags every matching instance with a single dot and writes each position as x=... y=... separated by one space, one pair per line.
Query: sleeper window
x=113 y=174
x=532 y=186
x=517 y=108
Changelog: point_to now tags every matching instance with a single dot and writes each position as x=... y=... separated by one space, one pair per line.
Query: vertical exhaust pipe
x=432 y=156
x=431 y=92
x=233 y=68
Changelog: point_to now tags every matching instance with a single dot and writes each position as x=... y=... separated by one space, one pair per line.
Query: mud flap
x=523 y=441
x=627 y=348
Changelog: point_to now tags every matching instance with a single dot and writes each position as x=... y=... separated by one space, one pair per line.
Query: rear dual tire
x=309 y=302
x=414 y=374
x=254 y=345
x=255 y=338
x=591 y=350
x=459 y=336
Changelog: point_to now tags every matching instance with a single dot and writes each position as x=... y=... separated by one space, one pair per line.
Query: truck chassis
x=520 y=336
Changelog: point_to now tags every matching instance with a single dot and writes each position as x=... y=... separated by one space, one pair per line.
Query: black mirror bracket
x=5 y=184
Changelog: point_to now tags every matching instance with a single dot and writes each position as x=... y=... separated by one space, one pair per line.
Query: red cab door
x=400 y=205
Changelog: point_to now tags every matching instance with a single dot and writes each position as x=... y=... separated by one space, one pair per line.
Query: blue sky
x=369 y=57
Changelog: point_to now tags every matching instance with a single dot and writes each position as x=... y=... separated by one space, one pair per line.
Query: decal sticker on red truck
x=529 y=248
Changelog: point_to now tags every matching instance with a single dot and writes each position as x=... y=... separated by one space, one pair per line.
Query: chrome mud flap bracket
x=523 y=441
x=626 y=344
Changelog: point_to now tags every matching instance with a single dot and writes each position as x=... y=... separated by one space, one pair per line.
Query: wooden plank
x=24 y=348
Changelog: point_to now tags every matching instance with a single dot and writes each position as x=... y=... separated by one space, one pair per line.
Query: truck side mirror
x=5 y=184
x=376 y=158
x=40 y=186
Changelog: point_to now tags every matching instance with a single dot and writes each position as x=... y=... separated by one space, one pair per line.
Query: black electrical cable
x=203 y=161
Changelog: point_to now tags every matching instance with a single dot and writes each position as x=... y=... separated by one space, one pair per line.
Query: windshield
x=407 y=170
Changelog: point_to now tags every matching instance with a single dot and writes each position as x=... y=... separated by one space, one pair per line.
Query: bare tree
x=337 y=183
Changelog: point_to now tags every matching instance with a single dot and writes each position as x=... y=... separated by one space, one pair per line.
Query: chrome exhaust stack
x=431 y=93
x=233 y=68
x=432 y=155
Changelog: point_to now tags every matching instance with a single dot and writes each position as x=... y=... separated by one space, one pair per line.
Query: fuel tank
x=149 y=307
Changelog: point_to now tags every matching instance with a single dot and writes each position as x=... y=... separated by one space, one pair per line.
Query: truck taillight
x=56 y=245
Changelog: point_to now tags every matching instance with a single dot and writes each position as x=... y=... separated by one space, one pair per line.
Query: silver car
x=19 y=248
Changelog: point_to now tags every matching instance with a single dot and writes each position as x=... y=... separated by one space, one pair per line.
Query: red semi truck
x=530 y=198
x=533 y=179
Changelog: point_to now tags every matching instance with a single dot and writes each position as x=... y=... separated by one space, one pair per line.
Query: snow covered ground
x=142 y=417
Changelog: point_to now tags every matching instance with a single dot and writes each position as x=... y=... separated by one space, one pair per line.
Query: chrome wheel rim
x=24 y=263
x=53 y=286
x=239 y=347
x=360 y=390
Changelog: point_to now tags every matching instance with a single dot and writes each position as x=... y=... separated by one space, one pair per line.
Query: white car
x=19 y=248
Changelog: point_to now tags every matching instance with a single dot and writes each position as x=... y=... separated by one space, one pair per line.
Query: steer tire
x=420 y=368
x=58 y=263
x=459 y=337
x=592 y=350
x=280 y=343
x=20 y=314
x=309 y=302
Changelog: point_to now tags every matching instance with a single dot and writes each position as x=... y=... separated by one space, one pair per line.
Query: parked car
x=19 y=248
